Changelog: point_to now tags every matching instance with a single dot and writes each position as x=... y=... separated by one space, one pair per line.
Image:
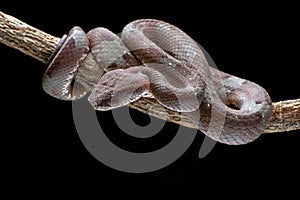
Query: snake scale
x=154 y=59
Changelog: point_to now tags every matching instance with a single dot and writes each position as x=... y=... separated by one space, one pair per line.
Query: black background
x=41 y=150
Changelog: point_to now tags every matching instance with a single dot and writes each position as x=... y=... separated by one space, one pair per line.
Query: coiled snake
x=155 y=59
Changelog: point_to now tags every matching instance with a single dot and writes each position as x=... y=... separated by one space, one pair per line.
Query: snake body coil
x=155 y=59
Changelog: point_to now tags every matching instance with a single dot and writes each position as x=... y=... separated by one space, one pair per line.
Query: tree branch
x=29 y=40
x=40 y=45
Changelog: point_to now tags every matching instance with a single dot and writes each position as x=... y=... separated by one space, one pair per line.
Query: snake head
x=118 y=88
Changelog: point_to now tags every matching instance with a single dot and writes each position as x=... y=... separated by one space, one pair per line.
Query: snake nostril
x=258 y=102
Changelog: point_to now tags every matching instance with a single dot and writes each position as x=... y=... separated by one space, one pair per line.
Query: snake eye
x=232 y=105
x=234 y=102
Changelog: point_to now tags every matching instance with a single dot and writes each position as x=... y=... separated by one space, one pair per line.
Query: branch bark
x=29 y=40
x=40 y=45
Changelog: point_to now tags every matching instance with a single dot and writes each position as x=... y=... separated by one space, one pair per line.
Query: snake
x=155 y=59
